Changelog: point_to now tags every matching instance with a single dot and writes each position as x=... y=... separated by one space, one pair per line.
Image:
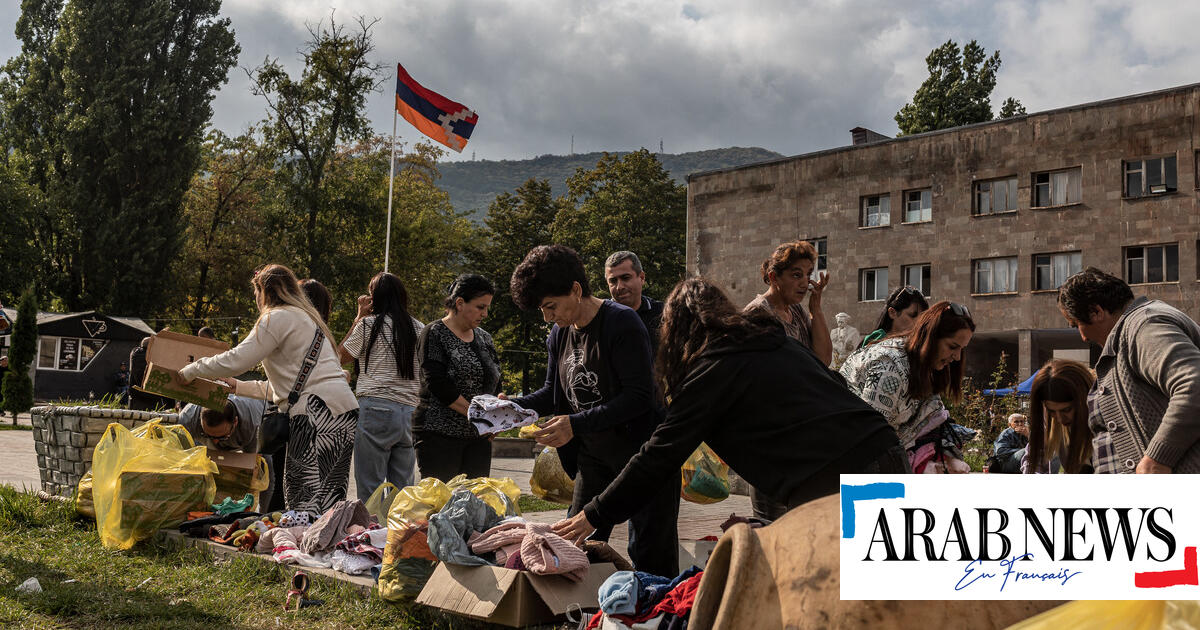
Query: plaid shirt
x=1104 y=457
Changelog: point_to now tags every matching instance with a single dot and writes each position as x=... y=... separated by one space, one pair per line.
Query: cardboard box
x=695 y=552
x=508 y=597
x=153 y=499
x=167 y=353
x=238 y=474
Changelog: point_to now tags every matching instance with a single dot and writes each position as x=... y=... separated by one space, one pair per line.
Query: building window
x=1051 y=270
x=1153 y=176
x=996 y=196
x=917 y=276
x=876 y=211
x=918 y=206
x=1056 y=188
x=822 y=247
x=873 y=284
x=47 y=351
x=1152 y=263
x=996 y=275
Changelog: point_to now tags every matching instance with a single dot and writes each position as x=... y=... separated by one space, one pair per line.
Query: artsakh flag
x=432 y=114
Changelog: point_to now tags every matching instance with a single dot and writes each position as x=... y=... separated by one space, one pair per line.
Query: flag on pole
x=432 y=114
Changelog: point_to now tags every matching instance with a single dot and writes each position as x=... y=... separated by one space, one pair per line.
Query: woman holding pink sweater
x=289 y=339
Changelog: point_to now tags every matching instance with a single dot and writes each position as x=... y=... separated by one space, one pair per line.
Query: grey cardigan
x=1148 y=386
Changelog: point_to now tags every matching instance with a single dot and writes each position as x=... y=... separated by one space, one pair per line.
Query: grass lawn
x=157 y=585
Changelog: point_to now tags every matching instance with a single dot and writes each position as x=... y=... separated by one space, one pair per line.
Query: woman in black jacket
x=763 y=402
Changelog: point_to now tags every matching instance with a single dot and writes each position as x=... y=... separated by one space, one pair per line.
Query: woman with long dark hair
x=765 y=404
x=905 y=377
x=384 y=340
x=1058 y=419
x=458 y=362
x=290 y=336
x=899 y=314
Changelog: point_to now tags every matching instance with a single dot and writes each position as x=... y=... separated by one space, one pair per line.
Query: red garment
x=678 y=602
x=597 y=619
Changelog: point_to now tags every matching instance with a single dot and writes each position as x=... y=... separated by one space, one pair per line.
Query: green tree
x=1011 y=107
x=17 y=202
x=310 y=117
x=957 y=92
x=516 y=223
x=109 y=102
x=629 y=203
x=226 y=213
x=17 y=387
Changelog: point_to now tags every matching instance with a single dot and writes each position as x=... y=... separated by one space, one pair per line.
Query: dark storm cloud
x=788 y=76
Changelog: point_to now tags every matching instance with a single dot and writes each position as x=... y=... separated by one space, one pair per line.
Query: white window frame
x=1146 y=252
x=1063 y=187
x=991 y=267
x=877 y=215
x=1167 y=179
x=989 y=189
x=1074 y=264
x=874 y=273
x=925 y=272
x=924 y=205
x=822 y=264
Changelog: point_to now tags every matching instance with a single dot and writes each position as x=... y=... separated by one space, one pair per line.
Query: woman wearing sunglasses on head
x=906 y=375
x=900 y=312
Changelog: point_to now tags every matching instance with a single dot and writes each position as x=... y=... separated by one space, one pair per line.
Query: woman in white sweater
x=289 y=335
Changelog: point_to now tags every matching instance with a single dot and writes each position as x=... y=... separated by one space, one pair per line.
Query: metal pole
x=387 y=241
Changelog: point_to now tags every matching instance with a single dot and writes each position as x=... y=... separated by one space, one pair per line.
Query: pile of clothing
x=346 y=537
x=632 y=600
x=468 y=531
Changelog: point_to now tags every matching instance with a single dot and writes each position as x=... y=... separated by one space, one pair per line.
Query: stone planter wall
x=66 y=437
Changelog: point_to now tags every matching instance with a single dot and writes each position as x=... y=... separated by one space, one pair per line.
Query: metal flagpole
x=387 y=241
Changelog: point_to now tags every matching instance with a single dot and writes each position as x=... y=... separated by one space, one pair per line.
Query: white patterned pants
x=317 y=470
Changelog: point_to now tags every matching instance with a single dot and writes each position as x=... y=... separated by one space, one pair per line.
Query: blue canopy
x=1023 y=389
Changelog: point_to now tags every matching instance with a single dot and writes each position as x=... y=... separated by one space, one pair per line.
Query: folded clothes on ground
x=198 y=528
x=331 y=527
x=350 y=563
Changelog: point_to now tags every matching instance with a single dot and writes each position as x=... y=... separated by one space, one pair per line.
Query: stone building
x=993 y=215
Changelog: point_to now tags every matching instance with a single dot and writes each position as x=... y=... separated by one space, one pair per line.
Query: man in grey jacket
x=1144 y=409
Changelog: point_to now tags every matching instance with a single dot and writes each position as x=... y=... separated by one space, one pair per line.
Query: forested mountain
x=473 y=185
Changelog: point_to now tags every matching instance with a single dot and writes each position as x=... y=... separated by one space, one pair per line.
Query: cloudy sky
x=787 y=75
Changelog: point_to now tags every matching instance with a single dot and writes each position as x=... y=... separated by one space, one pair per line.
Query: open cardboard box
x=167 y=353
x=237 y=474
x=509 y=597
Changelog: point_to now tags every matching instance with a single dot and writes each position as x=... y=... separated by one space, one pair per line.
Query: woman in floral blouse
x=904 y=377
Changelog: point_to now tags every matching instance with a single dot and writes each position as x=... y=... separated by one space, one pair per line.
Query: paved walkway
x=18 y=461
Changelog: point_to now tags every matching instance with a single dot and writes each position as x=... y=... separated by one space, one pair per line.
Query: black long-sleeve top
x=600 y=376
x=451 y=367
x=772 y=411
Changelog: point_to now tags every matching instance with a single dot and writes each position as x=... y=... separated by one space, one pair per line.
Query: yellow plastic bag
x=1116 y=615
x=705 y=477
x=173 y=434
x=527 y=431
x=413 y=503
x=500 y=494
x=142 y=484
x=380 y=500
x=407 y=560
x=549 y=481
x=83 y=497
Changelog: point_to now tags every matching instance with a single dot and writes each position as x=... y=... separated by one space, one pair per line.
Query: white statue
x=845 y=340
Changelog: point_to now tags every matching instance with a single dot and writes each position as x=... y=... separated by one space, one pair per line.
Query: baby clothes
x=503 y=539
x=324 y=534
x=292 y=518
x=493 y=415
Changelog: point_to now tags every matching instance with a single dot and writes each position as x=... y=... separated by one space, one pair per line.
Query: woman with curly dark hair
x=787 y=274
x=766 y=405
x=600 y=394
x=1058 y=419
